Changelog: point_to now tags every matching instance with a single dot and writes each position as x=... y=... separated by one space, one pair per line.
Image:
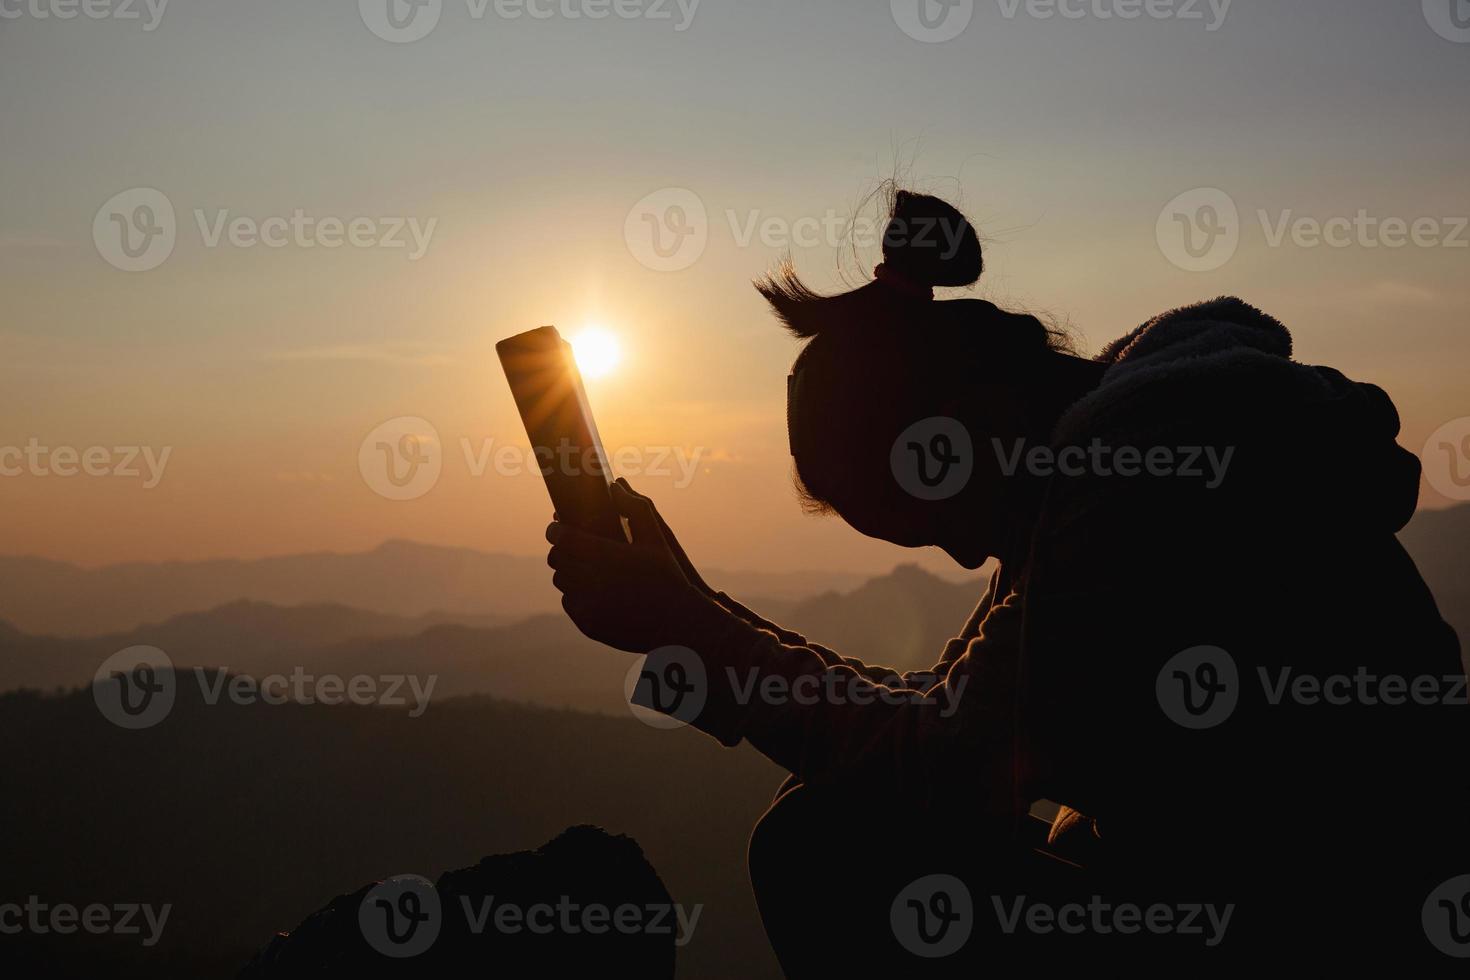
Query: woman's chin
x=966 y=558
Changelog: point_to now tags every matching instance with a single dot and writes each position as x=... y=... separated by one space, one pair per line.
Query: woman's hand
x=633 y=596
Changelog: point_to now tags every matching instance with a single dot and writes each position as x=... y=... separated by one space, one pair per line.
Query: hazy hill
x=246 y=818
x=399 y=578
x=248 y=635
x=1439 y=540
x=899 y=620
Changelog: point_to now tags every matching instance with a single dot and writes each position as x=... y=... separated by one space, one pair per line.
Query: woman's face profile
x=958 y=526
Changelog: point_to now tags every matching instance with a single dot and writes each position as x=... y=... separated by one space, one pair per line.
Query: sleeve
x=884 y=675
x=828 y=723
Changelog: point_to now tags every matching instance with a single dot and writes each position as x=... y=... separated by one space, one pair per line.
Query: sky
x=240 y=241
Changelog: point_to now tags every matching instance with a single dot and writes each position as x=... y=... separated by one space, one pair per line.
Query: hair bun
x=930 y=242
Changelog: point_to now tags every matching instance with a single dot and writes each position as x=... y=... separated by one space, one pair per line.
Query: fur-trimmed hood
x=1221 y=372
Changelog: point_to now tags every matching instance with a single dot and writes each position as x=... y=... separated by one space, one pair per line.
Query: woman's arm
x=791 y=638
x=828 y=723
x=824 y=722
x=882 y=675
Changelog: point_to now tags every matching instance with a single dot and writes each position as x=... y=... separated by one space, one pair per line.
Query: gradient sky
x=529 y=140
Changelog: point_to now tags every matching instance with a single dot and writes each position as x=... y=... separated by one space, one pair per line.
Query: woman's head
x=886 y=361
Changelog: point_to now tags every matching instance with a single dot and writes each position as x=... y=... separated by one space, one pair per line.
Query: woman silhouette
x=1199 y=611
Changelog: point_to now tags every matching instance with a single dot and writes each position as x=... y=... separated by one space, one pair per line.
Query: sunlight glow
x=597 y=352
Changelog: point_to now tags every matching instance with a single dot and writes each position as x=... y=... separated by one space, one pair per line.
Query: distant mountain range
x=900 y=620
x=484 y=626
x=398 y=578
x=1439 y=541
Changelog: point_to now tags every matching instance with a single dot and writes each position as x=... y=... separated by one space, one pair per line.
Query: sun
x=597 y=352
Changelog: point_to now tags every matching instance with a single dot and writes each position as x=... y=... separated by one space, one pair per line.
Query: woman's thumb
x=642 y=518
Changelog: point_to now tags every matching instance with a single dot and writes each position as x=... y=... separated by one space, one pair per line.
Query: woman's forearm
x=823 y=722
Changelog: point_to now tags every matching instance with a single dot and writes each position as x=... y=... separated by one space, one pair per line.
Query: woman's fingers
x=583 y=545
